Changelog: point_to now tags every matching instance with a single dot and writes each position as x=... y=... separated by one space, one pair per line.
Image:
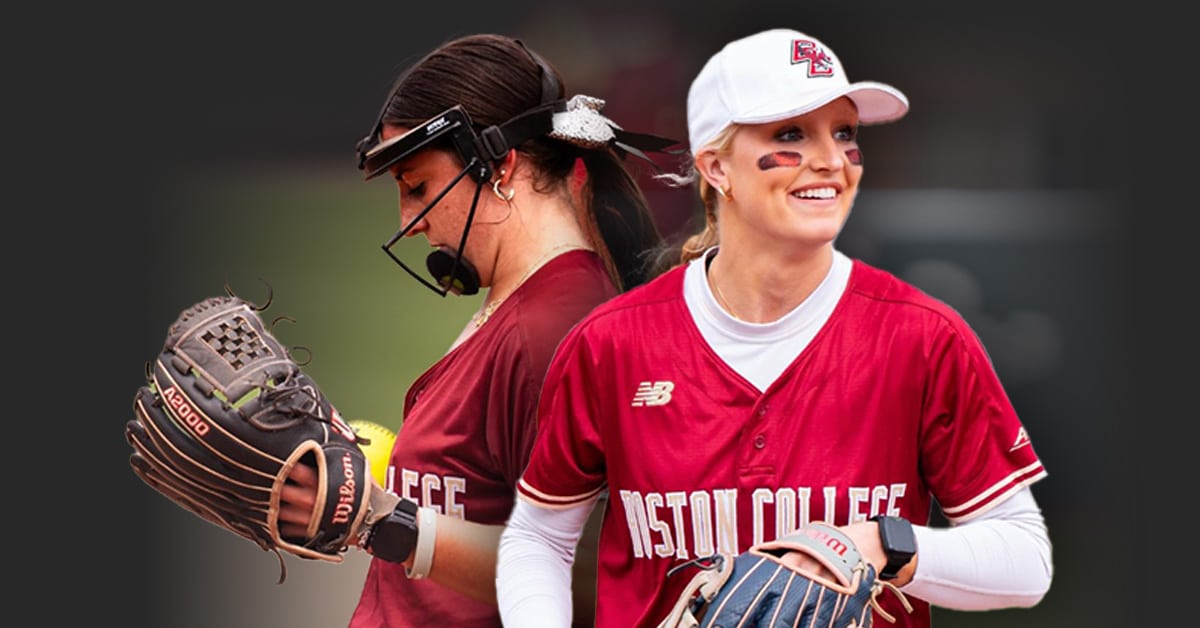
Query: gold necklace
x=486 y=312
x=722 y=301
x=483 y=315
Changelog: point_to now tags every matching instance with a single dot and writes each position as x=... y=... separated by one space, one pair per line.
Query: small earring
x=725 y=195
x=501 y=195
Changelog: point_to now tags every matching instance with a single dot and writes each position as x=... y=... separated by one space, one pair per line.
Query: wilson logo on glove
x=348 y=491
x=830 y=541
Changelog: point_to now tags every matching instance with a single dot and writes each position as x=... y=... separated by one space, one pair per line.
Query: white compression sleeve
x=533 y=570
x=1001 y=559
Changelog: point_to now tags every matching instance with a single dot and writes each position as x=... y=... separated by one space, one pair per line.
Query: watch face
x=897 y=536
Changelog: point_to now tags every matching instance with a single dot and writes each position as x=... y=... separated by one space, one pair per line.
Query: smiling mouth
x=816 y=193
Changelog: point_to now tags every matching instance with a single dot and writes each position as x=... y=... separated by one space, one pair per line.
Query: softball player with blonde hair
x=769 y=381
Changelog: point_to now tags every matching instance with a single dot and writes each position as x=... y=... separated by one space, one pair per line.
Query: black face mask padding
x=456 y=275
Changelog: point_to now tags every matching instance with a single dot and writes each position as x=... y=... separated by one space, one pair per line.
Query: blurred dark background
x=167 y=154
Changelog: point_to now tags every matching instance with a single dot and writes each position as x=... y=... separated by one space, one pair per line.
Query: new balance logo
x=653 y=394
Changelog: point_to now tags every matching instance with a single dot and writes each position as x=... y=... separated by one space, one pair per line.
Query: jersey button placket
x=757 y=461
x=760 y=438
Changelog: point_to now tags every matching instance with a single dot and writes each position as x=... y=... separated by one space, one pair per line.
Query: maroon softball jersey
x=469 y=424
x=893 y=404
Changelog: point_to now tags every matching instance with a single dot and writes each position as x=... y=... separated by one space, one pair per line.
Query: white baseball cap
x=774 y=75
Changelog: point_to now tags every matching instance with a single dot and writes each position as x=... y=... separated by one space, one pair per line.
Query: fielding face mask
x=477 y=152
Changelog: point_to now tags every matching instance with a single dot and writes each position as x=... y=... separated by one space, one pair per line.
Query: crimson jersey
x=469 y=423
x=894 y=403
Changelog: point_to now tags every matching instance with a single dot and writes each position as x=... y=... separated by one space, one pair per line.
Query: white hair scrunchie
x=581 y=123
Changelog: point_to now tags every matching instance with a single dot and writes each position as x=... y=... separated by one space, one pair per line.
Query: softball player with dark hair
x=525 y=193
x=769 y=381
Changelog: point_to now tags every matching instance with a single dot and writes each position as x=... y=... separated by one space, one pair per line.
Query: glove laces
x=287 y=403
x=877 y=588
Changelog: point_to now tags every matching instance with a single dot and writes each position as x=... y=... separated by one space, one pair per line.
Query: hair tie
x=580 y=123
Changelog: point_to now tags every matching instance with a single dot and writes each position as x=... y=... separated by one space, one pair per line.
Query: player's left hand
x=297 y=501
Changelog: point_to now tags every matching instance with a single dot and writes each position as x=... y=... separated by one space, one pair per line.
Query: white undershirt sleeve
x=533 y=570
x=1001 y=559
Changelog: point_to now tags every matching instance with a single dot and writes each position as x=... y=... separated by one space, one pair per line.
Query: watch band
x=394 y=537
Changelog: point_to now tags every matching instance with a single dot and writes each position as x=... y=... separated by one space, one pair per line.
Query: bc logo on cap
x=808 y=51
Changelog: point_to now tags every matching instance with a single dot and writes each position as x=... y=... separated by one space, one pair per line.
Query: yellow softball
x=379 y=451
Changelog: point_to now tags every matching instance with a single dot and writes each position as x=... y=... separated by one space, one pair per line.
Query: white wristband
x=426 y=535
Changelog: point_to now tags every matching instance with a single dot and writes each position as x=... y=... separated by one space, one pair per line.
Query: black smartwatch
x=394 y=537
x=899 y=543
